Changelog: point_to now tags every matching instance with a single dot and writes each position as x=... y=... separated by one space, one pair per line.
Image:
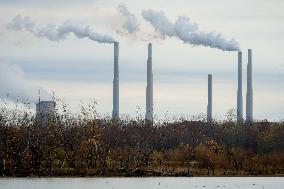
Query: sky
x=81 y=70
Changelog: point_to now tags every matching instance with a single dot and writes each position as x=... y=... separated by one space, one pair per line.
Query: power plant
x=240 y=90
x=149 y=87
x=46 y=109
x=209 y=105
x=160 y=22
x=115 y=97
x=249 y=97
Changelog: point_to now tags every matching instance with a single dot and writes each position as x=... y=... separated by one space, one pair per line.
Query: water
x=145 y=183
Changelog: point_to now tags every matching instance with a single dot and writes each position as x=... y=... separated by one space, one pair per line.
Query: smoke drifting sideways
x=188 y=31
x=15 y=87
x=57 y=32
x=131 y=23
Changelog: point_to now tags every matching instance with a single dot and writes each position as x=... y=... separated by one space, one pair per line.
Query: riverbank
x=142 y=183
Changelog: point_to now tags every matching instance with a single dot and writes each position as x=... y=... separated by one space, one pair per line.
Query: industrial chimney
x=209 y=105
x=240 y=90
x=249 y=97
x=149 y=87
x=115 y=100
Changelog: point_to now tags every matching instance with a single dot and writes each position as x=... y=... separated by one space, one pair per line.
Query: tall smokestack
x=240 y=90
x=115 y=106
x=149 y=87
x=249 y=103
x=209 y=106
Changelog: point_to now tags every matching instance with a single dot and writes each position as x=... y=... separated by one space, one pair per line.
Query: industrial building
x=45 y=112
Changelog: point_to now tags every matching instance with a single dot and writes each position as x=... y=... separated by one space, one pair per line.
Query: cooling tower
x=209 y=105
x=249 y=97
x=240 y=90
x=149 y=87
x=115 y=100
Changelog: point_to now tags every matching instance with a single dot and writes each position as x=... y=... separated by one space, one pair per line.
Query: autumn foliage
x=85 y=145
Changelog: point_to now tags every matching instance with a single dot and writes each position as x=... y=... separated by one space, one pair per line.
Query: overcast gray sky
x=81 y=69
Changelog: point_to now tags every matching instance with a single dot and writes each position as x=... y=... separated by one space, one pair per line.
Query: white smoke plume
x=131 y=23
x=188 y=31
x=15 y=86
x=57 y=32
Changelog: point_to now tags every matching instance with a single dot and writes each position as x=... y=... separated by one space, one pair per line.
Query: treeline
x=87 y=146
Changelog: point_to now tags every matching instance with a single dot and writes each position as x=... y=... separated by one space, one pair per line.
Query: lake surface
x=145 y=183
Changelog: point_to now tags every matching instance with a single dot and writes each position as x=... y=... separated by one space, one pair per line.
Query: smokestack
x=149 y=87
x=209 y=106
x=249 y=103
x=240 y=90
x=115 y=106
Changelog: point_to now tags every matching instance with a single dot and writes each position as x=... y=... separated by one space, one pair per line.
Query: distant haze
x=16 y=87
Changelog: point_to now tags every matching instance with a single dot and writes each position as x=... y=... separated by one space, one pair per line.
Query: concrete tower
x=115 y=100
x=240 y=90
x=209 y=105
x=149 y=87
x=249 y=97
